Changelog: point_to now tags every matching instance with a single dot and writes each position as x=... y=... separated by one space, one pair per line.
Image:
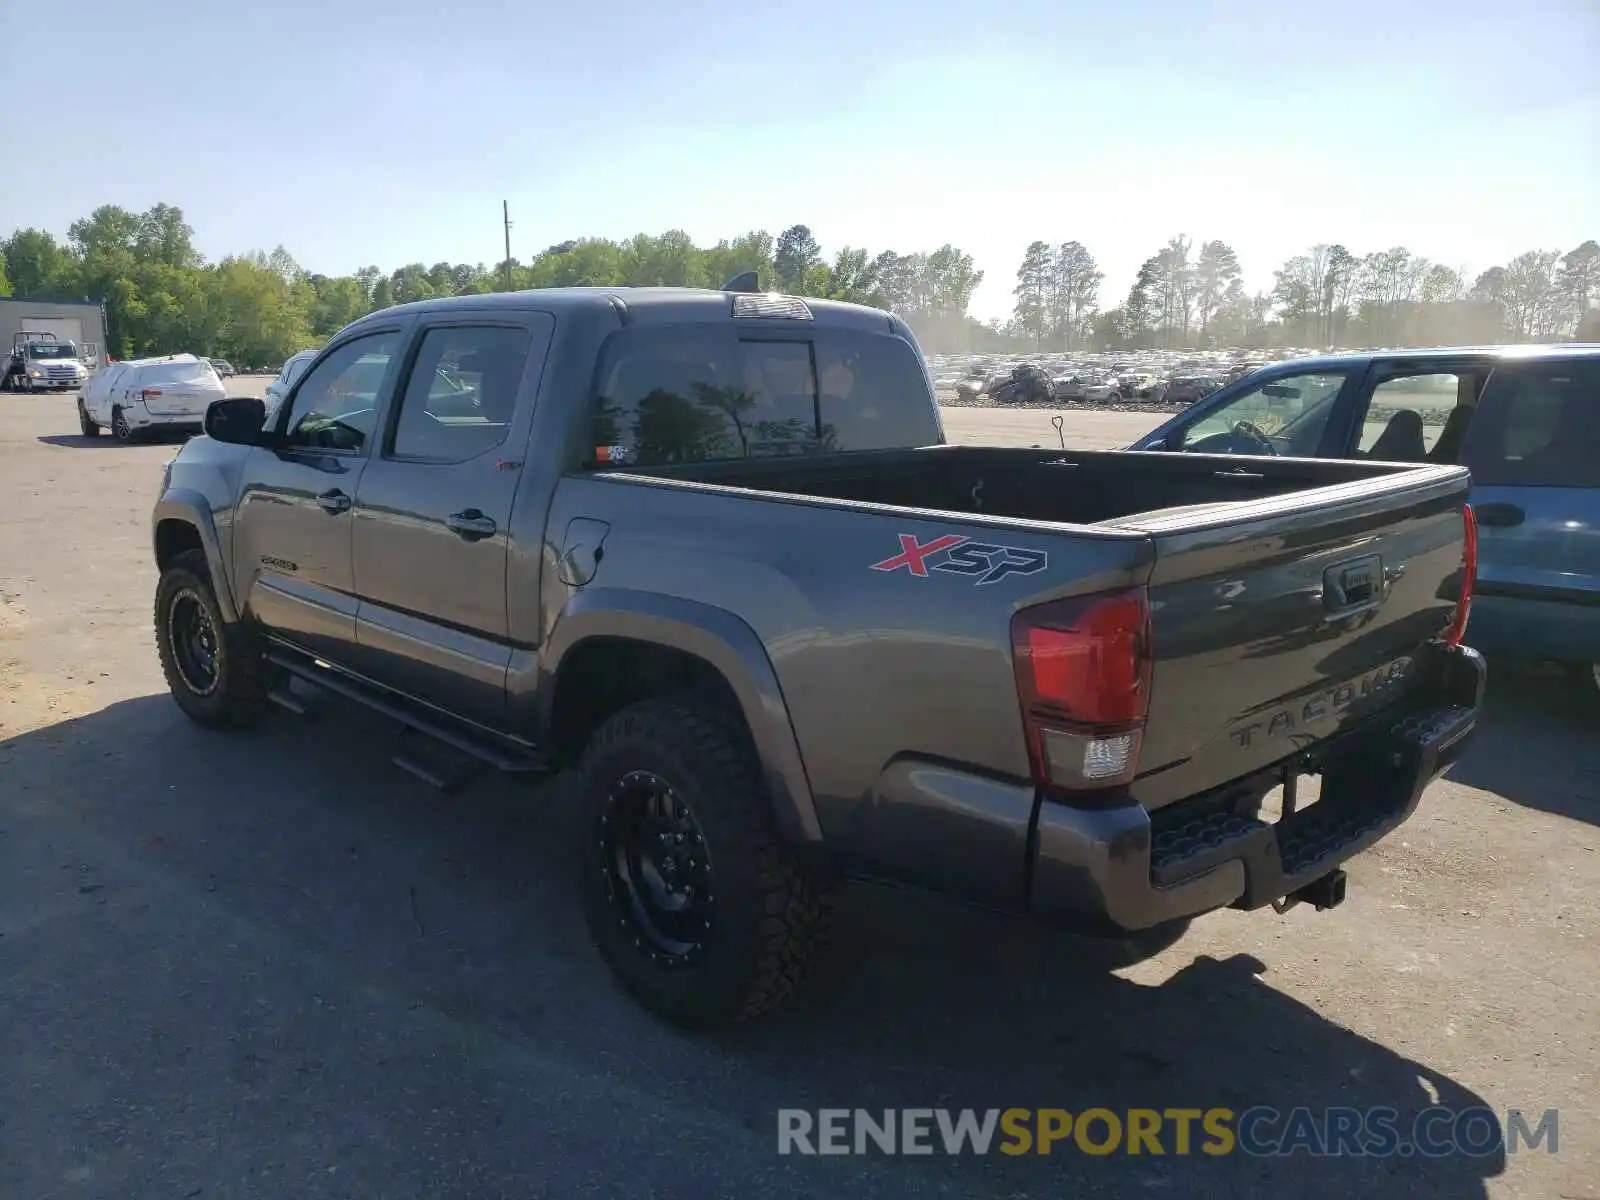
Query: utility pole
x=505 y=209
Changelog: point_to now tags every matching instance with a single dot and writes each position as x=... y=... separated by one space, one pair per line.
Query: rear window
x=177 y=372
x=709 y=393
x=1538 y=425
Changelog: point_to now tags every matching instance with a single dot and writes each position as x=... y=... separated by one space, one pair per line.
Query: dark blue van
x=1525 y=420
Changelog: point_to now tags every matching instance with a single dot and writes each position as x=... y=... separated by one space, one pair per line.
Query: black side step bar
x=501 y=757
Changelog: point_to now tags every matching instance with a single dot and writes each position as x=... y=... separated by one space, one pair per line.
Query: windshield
x=52 y=350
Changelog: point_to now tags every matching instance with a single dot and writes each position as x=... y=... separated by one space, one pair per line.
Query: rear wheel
x=696 y=906
x=85 y=423
x=214 y=669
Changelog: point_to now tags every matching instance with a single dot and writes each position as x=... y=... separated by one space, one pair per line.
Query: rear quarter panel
x=875 y=665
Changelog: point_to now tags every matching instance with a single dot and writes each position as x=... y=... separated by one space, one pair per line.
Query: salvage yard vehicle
x=709 y=550
x=149 y=395
x=1524 y=420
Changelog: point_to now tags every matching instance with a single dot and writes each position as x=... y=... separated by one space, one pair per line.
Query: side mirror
x=237 y=420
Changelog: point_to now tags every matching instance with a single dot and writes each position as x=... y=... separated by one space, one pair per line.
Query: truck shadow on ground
x=350 y=880
x=77 y=441
x=1535 y=745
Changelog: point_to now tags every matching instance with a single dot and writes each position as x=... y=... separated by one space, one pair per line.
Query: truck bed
x=1257 y=655
x=1075 y=486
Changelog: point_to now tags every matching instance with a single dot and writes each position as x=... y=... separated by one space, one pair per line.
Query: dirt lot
x=274 y=965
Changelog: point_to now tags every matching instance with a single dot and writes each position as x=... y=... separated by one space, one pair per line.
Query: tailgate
x=179 y=400
x=1275 y=623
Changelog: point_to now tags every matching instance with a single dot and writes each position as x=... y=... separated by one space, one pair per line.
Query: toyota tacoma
x=709 y=550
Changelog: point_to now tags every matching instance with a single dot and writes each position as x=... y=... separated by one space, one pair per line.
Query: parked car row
x=1165 y=377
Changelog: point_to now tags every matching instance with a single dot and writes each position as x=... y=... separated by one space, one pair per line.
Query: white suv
x=149 y=394
x=292 y=370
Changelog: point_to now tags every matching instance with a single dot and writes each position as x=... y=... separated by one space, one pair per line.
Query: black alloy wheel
x=193 y=638
x=658 y=867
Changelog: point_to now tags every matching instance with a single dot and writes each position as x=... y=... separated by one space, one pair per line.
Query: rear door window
x=873 y=394
x=709 y=393
x=1538 y=425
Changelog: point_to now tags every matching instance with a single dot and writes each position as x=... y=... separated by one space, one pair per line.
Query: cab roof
x=642 y=305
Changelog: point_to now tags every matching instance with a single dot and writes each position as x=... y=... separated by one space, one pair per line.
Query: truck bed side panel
x=886 y=672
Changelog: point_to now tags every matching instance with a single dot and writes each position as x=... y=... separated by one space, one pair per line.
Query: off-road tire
x=769 y=916
x=87 y=426
x=120 y=429
x=239 y=699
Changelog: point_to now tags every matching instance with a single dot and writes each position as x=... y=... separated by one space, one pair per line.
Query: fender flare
x=190 y=507
x=721 y=639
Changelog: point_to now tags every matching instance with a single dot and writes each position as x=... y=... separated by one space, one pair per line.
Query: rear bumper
x=139 y=417
x=1118 y=869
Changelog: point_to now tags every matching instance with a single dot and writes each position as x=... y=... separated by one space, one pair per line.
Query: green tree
x=1033 y=290
x=39 y=265
x=1074 y=285
x=794 y=256
x=1215 y=271
x=1578 y=281
x=163 y=236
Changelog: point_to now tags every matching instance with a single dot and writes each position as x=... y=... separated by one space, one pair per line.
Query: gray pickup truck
x=710 y=550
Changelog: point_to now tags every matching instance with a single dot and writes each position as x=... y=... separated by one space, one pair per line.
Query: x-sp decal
x=958 y=555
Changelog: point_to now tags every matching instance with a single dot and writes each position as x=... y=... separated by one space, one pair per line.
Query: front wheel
x=120 y=429
x=697 y=908
x=215 y=670
x=85 y=423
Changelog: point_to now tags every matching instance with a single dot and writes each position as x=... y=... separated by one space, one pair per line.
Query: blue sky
x=389 y=133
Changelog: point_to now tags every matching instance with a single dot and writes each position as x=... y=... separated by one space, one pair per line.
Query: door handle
x=334 y=502
x=1499 y=515
x=470 y=525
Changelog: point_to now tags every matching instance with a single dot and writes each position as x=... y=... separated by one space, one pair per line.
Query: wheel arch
x=680 y=641
x=182 y=521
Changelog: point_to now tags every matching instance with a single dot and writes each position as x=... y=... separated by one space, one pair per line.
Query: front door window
x=1287 y=415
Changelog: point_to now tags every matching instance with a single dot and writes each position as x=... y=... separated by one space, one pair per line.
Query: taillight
x=1457 y=629
x=148 y=392
x=1083 y=676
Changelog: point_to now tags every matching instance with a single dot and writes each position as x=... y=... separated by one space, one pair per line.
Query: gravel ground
x=273 y=965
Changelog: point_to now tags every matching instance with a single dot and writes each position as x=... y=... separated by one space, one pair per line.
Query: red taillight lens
x=1457 y=629
x=148 y=392
x=1083 y=676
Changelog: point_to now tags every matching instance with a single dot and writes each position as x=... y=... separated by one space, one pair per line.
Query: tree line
x=161 y=296
x=256 y=309
x=1326 y=297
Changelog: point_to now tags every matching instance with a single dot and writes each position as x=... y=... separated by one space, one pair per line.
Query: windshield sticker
x=957 y=555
